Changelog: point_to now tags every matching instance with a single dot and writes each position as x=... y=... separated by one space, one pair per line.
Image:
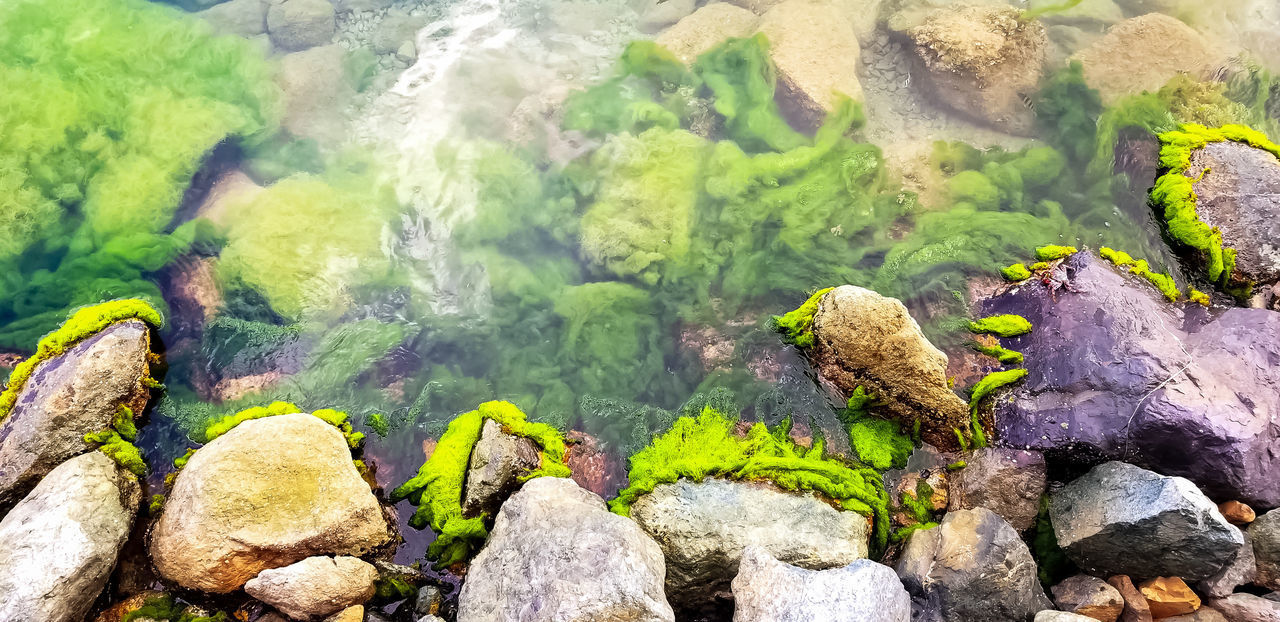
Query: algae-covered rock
x=863 y=339
x=268 y=493
x=315 y=587
x=1142 y=54
x=816 y=53
x=498 y=463
x=767 y=590
x=706 y=28
x=1237 y=192
x=315 y=92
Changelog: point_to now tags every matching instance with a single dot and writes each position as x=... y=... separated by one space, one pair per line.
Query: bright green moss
x=84 y=323
x=986 y=387
x=797 y=326
x=156 y=505
x=379 y=423
x=125 y=454
x=181 y=461
x=124 y=425
x=1198 y=297
x=393 y=588
x=1052 y=252
x=166 y=609
x=224 y=425
x=1001 y=326
x=1016 y=272
x=1163 y=282
x=1000 y=353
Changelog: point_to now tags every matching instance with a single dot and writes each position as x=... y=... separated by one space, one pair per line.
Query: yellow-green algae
x=1161 y=281
x=1000 y=353
x=797 y=326
x=1001 y=325
x=335 y=418
x=1016 y=272
x=438 y=487
x=84 y=323
x=165 y=609
x=877 y=443
x=1052 y=252
x=1198 y=297
x=985 y=387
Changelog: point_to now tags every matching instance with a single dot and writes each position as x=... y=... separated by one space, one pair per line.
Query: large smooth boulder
x=1008 y=482
x=1240 y=197
x=296 y=25
x=1264 y=533
x=706 y=28
x=67 y=397
x=1143 y=53
x=767 y=590
x=1115 y=372
x=983 y=61
x=498 y=462
x=703 y=527
x=972 y=567
x=816 y=53
x=557 y=554
x=1122 y=519
x=315 y=587
x=269 y=493
x=863 y=339
x=61 y=542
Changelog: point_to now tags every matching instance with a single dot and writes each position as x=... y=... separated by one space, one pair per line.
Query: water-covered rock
x=61 y=542
x=863 y=339
x=245 y=18
x=1122 y=519
x=816 y=52
x=1241 y=607
x=1116 y=372
x=767 y=590
x=1091 y=15
x=269 y=493
x=972 y=567
x=1142 y=54
x=557 y=554
x=300 y=24
x=315 y=92
x=1088 y=596
x=68 y=396
x=706 y=28
x=703 y=527
x=315 y=587
x=1264 y=533
x=1008 y=482
x=498 y=462
x=1239 y=195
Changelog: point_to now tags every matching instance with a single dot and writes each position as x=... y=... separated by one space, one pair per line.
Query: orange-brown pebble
x=1169 y=596
x=1237 y=513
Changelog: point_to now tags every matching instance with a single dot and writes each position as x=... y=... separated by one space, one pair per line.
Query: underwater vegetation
x=1163 y=282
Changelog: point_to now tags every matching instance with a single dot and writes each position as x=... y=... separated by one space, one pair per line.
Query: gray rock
x=1089 y=596
x=62 y=540
x=1240 y=196
x=1264 y=533
x=1049 y=615
x=244 y=18
x=1246 y=608
x=972 y=567
x=362 y=5
x=557 y=554
x=67 y=397
x=1008 y=482
x=1122 y=519
x=315 y=587
x=498 y=461
x=300 y=24
x=1203 y=614
x=316 y=91
x=395 y=31
x=703 y=527
x=767 y=590
x=428 y=600
x=1241 y=571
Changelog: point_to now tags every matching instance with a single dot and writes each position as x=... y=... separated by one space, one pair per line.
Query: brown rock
x=1142 y=54
x=1135 y=604
x=706 y=28
x=1008 y=482
x=1203 y=614
x=816 y=52
x=592 y=467
x=1169 y=596
x=231 y=188
x=1241 y=607
x=1237 y=513
x=1089 y=596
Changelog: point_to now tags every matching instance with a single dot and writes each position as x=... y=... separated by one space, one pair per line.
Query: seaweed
x=986 y=387
x=1016 y=272
x=1000 y=353
x=1053 y=252
x=797 y=326
x=118 y=448
x=1001 y=326
x=1163 y=282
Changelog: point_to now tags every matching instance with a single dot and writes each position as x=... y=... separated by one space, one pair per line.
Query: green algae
x=1054 y=252
x=1198 y=297
x=379 y=423
x=797 y=326
x=983 y=389
x=125 y=453
x=166 y=609
x=1016 y=272
x=876 y=442
x=1001 y=326
x=1163 y=282
x=335 y=418
x=1000 y=353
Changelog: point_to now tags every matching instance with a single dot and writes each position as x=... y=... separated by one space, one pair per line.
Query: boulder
x=498 y=462
x=315 y=587
x=1169 y=387
x=296 y=25
x=1049 y=615
x=557 y=554
x=1241 y=571
x=703 y=527
x=269 y=493
x=62 y=540
x=1169 y=596
x=1122 y=519
x=659 y=14
x=1008 y=482
x=972 y=567
x=706 y=28
x=1264 y=533
x=1243 y=607
x=243 y=18
x=1240 y=197
x=315 y=92
x=984 y=62
x=767 y=590
x=68 y=396
x=1236 y=513
x=1089 y=596
x=864 y=339
x=1136 y=608
x=816 y=54
x=1143 y=53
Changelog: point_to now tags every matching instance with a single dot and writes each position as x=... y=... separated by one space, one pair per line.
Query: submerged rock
x=703 y=527
x=1121 y=519
x=316 y=91
x=1142 y=54
x=498 y=461
x=1238 y=193
x=315 y=587
x=816 y=52
x=62 y=540
x=767 y=590
x=863 y=339
x=67 y=397
x=244 y=18
x=300 y=24
x=1008 y=482
x=706 y=28
x=972 y=567
x=556 y=554
x=269 y=493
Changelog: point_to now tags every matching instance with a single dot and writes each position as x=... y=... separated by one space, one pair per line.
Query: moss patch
x=985 y=387
x=166 y=609
x=797 y=326
x=1000 y=353
x=335 y=418
x=1016 y=272
x=877 y=443
x=1001 y=326
x=1163 y=282
x=1052 y=252
x=125 y=453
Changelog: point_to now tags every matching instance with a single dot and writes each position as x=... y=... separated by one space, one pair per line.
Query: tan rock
x=350 y=614
x=816 y=53
x=706 y=28
x=1143 y=53
x=268 y=493
x=1136 y=608
x=316 y=92
x=232 y=188
x=1089 y=596
x=862 y=15
x=1237 y=513
x=1169 y=596
x=315 y=587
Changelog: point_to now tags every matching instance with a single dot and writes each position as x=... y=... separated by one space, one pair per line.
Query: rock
x=244 y=18
x=1061 y=616
x=68 y=396
x=1136 y=608
x=361 y=5
x=1241 y=571
x=864 y=339
x=269 y=493
x=1237 y=513
x=706 y=28
x=982 y=61
x=1203 y=614
x=907 y=487
x=971 y=568
x=703 y=527
x=1169 y=596
x=555 y=553
x=1088 y=596
x=428 y=600
x=62 y=540
x=1177 y=390
x=296 y=25
x=231 y=188
x=657 y=15
x=315 y=92
x=767 y=590
x=1264 y=533
x=1142 y=54
x=593 y=467
x=1008 y=482
x=315 y=587
x=395 y=30
x=354 y=613
x=816 y=54
x=1247 y=608
x=1122 y=519
x=862 y=15
x=1240 y=196
x=498 y=461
